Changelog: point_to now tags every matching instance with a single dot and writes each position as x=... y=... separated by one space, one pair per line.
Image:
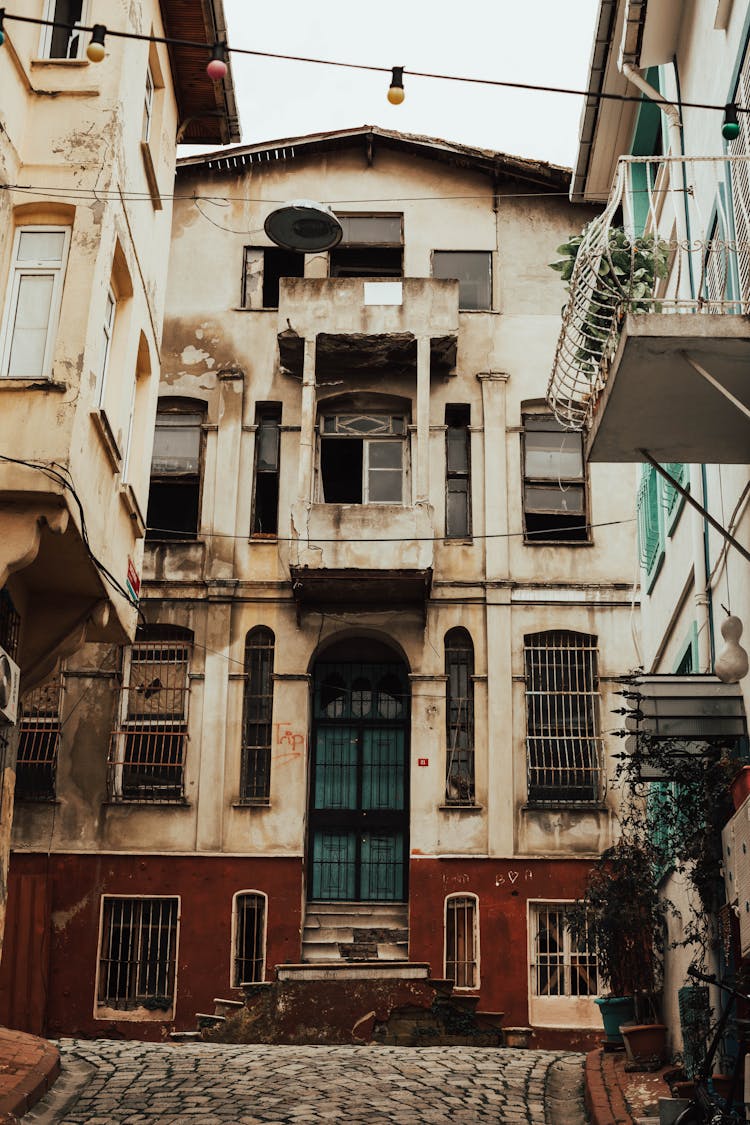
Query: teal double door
x=359 y=816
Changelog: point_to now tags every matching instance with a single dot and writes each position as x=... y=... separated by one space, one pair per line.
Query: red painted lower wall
x=74 y=884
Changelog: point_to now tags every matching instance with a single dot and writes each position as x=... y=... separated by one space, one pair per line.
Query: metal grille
x=148 y=746
x=249 y=939
x=10 y=625
x=257 y=711
x=564 y=749
x=459 y=717
x=138 y=953
x=38 y=742
x=461 y=940
x=560 y=966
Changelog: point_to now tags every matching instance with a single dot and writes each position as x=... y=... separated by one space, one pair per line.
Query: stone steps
x=355 y=932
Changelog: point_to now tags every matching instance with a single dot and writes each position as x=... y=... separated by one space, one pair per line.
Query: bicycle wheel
x=693 y=1115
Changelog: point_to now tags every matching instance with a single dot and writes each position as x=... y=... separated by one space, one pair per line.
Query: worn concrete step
x=224 y=1007
x=353 y=920
x=348 y=970
x=321 y=951
x=208 y=1019
x=186 y=1036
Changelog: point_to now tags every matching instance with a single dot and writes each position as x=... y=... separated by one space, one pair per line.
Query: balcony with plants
x=655 y=337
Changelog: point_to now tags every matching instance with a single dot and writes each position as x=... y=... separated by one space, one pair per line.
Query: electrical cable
x=60 y=475
x=590 y=95
x=398 y=539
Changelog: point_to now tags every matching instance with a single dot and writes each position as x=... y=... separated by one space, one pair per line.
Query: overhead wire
x=192 y=44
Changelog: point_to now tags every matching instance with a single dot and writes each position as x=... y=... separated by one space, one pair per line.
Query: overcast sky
x=546 y=42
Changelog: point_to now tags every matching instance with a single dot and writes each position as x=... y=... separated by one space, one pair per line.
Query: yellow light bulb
x=396 y=95
x=95 y=52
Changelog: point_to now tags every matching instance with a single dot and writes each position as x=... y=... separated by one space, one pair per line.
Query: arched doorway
x=358 y=825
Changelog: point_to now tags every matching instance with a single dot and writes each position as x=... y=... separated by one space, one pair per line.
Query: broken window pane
x=371 y=230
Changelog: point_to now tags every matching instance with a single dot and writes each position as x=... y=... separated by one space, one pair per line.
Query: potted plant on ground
x=621 y=913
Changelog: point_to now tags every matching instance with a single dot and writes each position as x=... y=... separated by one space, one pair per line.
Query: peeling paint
x=192 y=355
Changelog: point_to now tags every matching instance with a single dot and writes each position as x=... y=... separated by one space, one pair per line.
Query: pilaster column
x=307 y=425
x=423 y=420
x=493 y=384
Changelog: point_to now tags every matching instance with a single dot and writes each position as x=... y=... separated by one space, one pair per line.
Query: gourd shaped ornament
x=731 y=663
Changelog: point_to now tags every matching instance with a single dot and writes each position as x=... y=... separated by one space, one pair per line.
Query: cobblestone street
x=115 y=1083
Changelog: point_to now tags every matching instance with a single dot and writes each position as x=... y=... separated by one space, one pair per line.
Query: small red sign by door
x=133 y=580
x=423 y=761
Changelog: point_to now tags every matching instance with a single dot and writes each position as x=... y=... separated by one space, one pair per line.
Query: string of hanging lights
x=216 y=68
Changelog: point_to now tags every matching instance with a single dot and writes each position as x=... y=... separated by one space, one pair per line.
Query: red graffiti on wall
x=291 y=742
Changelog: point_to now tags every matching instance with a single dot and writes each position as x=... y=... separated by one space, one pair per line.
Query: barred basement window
x=38 y=742
x=563 y=743
x=148 y=745
x=255 y=781
x=462 y=940
x=459 y=766
x=249 y=938
x=138 y=954
x=559 y=965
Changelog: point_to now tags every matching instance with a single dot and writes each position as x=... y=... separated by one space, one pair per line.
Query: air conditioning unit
x=10 y=676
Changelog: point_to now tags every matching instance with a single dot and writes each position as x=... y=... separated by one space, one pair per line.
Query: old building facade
x=366 y=714
x=87 y=156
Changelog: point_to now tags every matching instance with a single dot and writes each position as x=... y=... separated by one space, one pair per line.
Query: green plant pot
x=615 y=1010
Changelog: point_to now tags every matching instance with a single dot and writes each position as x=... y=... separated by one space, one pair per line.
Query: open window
x=555 y=506
x=265 y=521
x=174 y=494
x=362 y=458
x=472 y=269
x=371 y=246
x=66 y=40
x=263 y=269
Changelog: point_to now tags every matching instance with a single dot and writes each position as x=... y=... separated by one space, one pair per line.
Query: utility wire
x=495 y=82
x=399 y=539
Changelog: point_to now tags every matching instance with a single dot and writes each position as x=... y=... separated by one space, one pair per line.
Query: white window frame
x=556 y=1011
x=161 y=1015
x=34 y=268
x=234 y=957
x=477 y=962
x=148 y=105
x=367 y=440
x=129 y=725
x=125 y=471
x=45 y=42
x=108 y=332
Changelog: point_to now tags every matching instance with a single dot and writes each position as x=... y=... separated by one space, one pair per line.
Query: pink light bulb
x=216 y=69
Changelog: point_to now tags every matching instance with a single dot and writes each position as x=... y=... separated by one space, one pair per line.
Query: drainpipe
x=629 y=50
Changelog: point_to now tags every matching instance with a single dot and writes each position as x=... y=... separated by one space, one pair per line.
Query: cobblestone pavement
x=116 y=1083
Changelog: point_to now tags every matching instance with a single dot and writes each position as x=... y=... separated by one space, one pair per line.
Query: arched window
x=257 y=712
x=462 y=940
x=563 y=743
x=459 y=718
x=248 y=938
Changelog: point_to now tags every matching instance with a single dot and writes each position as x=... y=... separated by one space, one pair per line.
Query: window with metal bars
x=10 y=627
x=459 y=717
x=249 y=938
x=563 y=743
x=138 y=954
x=147 y=753
x=560 y=966
x=462 y=940
x=38 y=743
x=257 y=713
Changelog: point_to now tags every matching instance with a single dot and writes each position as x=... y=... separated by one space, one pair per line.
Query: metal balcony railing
x=673 y=238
